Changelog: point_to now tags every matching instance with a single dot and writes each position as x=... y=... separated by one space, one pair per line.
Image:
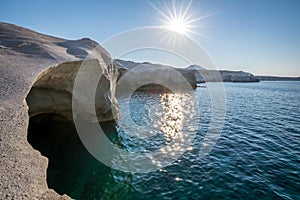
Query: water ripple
x=257 y=155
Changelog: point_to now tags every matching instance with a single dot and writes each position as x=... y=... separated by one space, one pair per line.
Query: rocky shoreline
x=36 y=72
x=24 y=55
x=193 y=73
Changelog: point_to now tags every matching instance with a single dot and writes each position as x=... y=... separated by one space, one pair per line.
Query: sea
x=256 y=154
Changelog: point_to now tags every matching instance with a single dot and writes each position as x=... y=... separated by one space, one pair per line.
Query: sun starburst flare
x=177 y=17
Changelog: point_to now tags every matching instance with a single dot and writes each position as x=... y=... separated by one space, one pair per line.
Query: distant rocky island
x=277 y=78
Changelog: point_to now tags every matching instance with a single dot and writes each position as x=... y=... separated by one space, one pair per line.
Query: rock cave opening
x=72 y=170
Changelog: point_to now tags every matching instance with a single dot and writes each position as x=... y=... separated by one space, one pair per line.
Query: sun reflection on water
x=168 y=126
x=177 y=123
x=173 y=115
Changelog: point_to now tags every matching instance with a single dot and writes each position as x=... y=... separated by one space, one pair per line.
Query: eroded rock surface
x=223 y=75
x=52 y=92
x=24 y=54
x=154 y=73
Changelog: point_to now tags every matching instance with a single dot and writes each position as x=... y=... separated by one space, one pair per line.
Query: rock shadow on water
x=72 y=170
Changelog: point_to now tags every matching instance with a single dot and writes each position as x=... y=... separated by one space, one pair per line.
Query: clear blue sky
x=259 y=36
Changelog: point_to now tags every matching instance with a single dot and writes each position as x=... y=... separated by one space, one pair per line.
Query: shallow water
x=256 y=156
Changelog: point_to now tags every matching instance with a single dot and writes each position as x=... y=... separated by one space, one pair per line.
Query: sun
x=178 y=25
x=177 y=17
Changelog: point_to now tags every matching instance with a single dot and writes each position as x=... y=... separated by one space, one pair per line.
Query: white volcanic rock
x=223 y=75
x=24 y=55
x=52 y=91
x=238 y=76
x=147 y=71
x=193 y=73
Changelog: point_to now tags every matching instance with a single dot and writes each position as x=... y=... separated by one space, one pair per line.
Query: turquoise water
x=256 y=156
